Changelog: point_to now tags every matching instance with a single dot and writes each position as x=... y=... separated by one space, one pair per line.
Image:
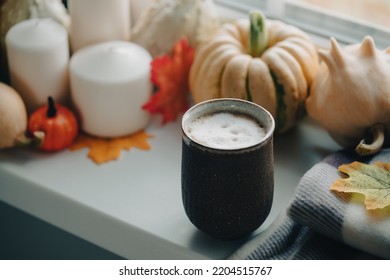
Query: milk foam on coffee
x=225 y=131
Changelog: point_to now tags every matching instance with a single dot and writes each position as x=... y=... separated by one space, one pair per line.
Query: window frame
x=316 y=21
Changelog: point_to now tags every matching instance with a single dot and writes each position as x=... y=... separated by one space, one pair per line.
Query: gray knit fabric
x=317 y=206
x=312 y=225
x=288 y=240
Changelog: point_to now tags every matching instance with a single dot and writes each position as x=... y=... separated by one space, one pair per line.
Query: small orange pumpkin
x=58 y=124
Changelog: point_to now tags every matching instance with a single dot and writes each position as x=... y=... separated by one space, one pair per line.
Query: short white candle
x=38 y=57
x=96 y=21
x=109 y=84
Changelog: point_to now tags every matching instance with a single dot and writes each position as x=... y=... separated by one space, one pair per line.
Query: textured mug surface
x=227 y=193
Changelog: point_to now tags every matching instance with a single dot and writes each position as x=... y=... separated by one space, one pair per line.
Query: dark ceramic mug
x=227 y=190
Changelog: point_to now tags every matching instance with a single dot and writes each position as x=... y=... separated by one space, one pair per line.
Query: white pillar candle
x=38 y=57
x=96 y=21
x=109 y=84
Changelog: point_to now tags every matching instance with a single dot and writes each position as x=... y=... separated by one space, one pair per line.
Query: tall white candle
x=96 y=21
x=38 y=57
x=109 y=84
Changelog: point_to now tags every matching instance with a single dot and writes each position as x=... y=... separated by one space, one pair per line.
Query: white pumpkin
x=165 y=22
x=264 y=61
x=350 y=95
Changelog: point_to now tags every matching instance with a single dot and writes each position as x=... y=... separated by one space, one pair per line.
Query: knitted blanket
x=320 y=224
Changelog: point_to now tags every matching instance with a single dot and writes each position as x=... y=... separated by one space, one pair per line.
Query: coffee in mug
x=227 y=166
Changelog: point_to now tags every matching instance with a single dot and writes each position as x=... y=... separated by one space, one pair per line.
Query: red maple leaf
x=169 y=73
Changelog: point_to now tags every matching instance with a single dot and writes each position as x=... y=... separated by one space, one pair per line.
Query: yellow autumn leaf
x=102 y=150
x=371 y=180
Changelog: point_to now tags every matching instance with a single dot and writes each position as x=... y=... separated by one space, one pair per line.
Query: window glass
x=346 y=20
x=373 y=11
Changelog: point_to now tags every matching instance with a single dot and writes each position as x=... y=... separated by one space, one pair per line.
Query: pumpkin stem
x=327 y=59
x=258 y=34
x=51 y=109
x=24 y=141
x=368 y=46
x=336 y=52
x=378 y=137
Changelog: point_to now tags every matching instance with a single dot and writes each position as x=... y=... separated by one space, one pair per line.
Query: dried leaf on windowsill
x=102 y=150
x=371 y=180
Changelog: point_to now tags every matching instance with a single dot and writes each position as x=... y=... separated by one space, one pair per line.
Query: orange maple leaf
x=103 y=150
x=170 y=75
